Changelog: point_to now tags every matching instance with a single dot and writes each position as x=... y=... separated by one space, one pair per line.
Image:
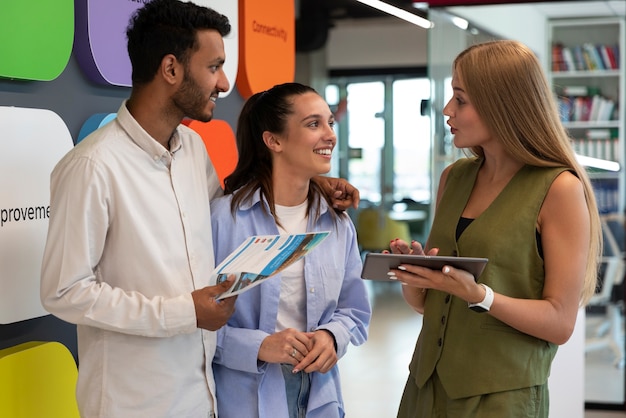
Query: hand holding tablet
x=377 y=265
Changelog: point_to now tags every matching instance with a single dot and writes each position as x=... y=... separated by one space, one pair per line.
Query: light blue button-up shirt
x=336 y=300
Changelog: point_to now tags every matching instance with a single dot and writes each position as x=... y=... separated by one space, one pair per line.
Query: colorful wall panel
x=219 y=140
x=267 y=45
x=33 y=140
x=94 y=122
x=101 y=39
x=36 y=38
x=229 y=8
x=38 y=379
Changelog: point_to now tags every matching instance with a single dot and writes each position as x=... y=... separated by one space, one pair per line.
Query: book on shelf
x=565 y=108
x=579 y=60
x=613 y=52
x=568 y=59
x=584 y=57
x=579 y=103
x=605 y=113
x=608 y=56
x=607 y=194
x=583 y=106
x=557 y=58
x=596 y=103
x=595 y=60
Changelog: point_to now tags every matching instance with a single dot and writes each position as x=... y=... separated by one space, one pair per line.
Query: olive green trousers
x=431 y=401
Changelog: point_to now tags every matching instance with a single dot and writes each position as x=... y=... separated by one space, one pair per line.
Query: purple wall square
x=100 y=44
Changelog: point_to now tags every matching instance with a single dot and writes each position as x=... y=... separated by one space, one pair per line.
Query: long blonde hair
x=512 y=96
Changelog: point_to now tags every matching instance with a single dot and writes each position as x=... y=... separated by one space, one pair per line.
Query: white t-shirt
x=292 y=305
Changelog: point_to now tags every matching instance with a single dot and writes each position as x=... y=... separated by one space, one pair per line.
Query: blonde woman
x=523 y=201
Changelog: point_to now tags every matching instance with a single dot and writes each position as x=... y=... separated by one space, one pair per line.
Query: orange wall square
x=219 y=140
x=267 y=47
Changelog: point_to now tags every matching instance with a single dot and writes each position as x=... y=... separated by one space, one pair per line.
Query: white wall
x=513 y=21
x=376 y=43
x=567 y=380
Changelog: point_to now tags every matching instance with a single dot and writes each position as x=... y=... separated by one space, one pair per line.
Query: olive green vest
x=475 y=353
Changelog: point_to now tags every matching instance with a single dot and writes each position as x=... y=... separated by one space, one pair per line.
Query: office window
x=388 y=151
x=411 y=140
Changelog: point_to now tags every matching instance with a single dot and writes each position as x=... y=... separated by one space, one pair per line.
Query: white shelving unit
x=588 y=75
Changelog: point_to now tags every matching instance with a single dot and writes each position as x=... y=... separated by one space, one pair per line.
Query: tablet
x=377 y=265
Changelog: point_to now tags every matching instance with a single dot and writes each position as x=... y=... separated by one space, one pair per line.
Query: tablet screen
x=377 y=265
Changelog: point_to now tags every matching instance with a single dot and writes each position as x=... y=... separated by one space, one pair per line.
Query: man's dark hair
x=164 y=27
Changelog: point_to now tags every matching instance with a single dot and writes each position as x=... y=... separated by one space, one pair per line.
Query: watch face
x=478 y=308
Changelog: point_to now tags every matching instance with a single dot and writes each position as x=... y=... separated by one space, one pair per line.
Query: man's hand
x=210 y=313
x=342 y=193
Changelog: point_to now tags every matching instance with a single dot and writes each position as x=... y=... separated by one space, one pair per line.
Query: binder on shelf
x=583 y=107
x=587 y=59
x=595 y=61
x=579 y=60
x=557 y=57
x=608 y=57
x=598 y=133
x=568 y=58
x=578 y=90
x=596 y=102
x=565 y=109
x=599 y=143
x=605 y=113
x=614 y=55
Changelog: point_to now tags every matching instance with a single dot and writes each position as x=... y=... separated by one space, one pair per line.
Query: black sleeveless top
x=465 y=222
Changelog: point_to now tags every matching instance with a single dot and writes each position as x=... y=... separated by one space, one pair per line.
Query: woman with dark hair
x=277 y=356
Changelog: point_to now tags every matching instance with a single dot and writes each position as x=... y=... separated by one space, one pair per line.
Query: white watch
x=485 y=304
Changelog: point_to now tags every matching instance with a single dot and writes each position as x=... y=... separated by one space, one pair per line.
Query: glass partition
x=446 y=39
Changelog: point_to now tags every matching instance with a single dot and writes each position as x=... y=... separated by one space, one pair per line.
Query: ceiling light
x=421 y=5
x=397 y=12
x=460 y=22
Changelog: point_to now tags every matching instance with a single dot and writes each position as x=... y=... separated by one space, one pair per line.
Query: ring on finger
x=294 y=352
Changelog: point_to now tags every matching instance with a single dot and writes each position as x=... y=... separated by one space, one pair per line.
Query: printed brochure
x=262 y=256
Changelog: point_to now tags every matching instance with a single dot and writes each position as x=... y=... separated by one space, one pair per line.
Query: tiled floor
x=374 y=374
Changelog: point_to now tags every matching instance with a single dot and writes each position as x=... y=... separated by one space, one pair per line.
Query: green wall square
x=36 y=38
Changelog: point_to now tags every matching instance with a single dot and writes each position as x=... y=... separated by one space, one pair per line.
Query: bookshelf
x=587 y=72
